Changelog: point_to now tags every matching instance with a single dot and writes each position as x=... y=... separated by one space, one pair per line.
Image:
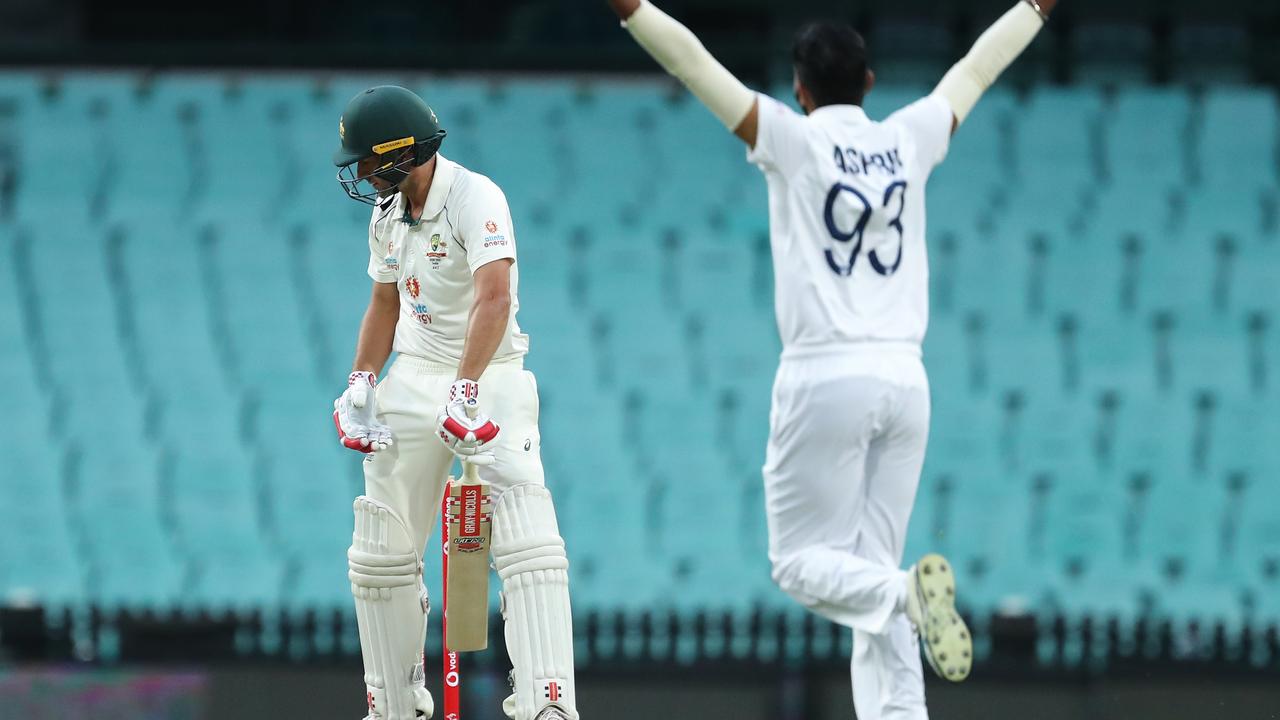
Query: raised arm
x=680 y=53
x=1003 y=42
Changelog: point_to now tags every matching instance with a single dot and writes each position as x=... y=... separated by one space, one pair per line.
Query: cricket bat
x=467 y=593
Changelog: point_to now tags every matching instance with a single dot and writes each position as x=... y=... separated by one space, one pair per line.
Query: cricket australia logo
x=437 y=250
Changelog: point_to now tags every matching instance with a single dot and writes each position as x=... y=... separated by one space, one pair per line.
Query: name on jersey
x=852 y=161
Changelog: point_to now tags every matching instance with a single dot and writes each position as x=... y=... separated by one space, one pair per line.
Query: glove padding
x=354 y=414
x=466 y=431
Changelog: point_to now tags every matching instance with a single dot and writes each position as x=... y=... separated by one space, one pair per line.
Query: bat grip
x=470 y=475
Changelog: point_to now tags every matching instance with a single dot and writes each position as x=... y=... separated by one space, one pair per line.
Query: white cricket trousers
x=847 y=439
x=410 y=475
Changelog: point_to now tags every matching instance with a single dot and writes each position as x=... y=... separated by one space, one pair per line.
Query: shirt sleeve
x=780 y=138
x=379 y=253
x=928 y=121
x=484 y=225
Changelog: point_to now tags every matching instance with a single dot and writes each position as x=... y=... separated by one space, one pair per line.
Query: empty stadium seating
x=181 y=281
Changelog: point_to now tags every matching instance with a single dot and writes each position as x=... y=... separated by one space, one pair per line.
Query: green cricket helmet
x=393 y=124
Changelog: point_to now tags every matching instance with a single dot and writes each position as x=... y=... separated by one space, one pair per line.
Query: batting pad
x=529 y=556
x=391 y=611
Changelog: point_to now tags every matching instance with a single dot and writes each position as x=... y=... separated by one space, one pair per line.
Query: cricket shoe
x=931 y=607
x=552 y=712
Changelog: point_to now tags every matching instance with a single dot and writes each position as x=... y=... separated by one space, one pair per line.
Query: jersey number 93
x=893 y=203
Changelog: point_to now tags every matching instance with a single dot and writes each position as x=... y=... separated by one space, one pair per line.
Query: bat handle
x=469 y=473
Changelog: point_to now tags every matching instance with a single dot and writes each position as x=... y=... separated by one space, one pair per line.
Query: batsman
x=445 y=278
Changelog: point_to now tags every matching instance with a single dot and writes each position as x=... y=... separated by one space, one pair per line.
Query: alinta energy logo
x=413 y=287
x=493 y=239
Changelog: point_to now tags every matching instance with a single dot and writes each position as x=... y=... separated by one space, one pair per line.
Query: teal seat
x=23 y=86
x=1181 y=558
x=560 y=355
x=54 y=134
x=1068 y=155
x=1056 y=434
x=1230 y=147
x=319 y=583
x=216 y=520
x=312 y=487
x=991 y=274
x=1237 y=211
x=38 y=559
x=134 y=561
x=271 y=347
x=1134 y=205
x=1236 y=439
x=1162 y=449
x=1026 y=357
x=716 y=276
x=1117 y=352
x=1139 y=150
x=82 y=334
x=981 y=147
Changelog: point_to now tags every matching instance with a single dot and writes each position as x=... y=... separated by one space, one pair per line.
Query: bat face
x=469 y=517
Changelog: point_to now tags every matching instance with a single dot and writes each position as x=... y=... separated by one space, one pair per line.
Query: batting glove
x=354 y=414
x=461 y=426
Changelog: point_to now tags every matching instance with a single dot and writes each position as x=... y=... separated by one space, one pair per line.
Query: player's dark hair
x=830 y=59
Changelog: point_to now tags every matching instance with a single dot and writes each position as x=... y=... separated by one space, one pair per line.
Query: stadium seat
x=216 y=514
x=1102 y=352
x=133 y=560
x=1069 y=157
x=1235 y=153
x=39 y=562
x=1138 y=149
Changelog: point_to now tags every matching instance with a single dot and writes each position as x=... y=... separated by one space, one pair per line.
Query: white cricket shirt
x=466 y=224
x=847 y=220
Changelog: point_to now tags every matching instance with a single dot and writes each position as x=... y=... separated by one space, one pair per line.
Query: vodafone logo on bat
x=451 y=671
